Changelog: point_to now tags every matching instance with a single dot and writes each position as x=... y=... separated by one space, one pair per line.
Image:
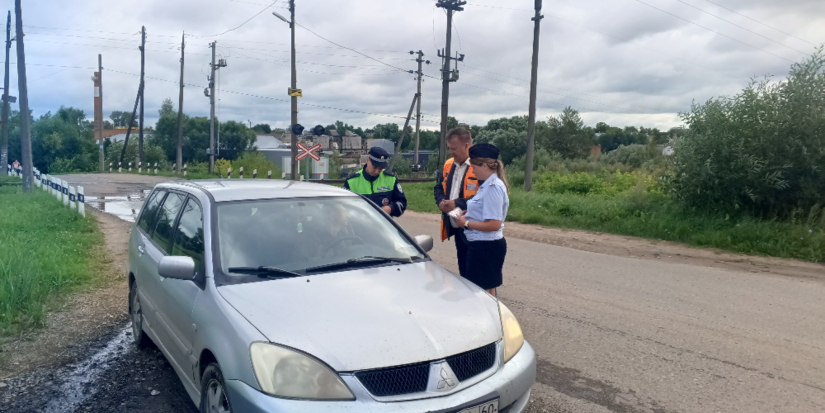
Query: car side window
x=150 y=211
x=189 y=235
x=166 y=220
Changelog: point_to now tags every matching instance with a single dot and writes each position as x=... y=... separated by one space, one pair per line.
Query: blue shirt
x=489 y=203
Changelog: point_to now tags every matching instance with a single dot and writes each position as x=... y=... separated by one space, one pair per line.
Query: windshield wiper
x=266 y=272
x=358 y=261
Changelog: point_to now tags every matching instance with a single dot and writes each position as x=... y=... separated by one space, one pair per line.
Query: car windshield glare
x=296 y=234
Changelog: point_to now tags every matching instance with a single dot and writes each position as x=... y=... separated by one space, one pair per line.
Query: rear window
x=150 y=211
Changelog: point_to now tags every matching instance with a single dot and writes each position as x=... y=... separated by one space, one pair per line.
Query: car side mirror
x=425 y=242
x=179 y=268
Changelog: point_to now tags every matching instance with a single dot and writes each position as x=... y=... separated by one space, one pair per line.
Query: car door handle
x=141 y=250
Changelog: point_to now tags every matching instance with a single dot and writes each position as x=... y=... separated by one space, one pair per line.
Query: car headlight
x=283 y=372
x=511 y=330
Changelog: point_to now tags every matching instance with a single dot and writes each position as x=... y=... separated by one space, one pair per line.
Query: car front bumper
x=511 y=384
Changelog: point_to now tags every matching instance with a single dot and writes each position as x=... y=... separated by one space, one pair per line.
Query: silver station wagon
x=280 y=296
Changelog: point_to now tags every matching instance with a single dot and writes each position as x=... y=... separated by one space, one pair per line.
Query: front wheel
x=136 y=314
x=213 y=391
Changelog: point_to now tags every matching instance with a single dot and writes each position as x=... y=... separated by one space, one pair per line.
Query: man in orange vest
x=456 y=184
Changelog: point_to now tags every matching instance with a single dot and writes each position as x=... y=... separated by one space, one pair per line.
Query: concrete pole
x=418 y=111
x=179 y=158
x=531 y=119
x=294 y=98
x=142 y=90
x=25 y=132
x=99 y=107
x=4 y=147
x=212 y=112
x=445 y=92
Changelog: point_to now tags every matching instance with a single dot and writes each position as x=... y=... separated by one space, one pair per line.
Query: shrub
x=633 y=155
x=250 y=161
x=760 y=150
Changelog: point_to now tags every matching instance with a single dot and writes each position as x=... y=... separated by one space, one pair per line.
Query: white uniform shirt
x=490 y=203
x=458 y=181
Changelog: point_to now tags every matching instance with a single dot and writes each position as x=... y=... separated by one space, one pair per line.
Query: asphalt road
x=611 y=333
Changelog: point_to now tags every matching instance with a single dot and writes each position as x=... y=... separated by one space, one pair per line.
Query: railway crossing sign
x=308 y=152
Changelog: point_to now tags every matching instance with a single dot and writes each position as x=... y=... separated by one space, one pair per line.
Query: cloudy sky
x=624 y=62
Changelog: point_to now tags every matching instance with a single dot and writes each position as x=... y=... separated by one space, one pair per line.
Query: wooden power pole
x=25 y=131
x=179 y=158
x=99 y=109
x=293 y=92
x=531 y=119
x=419 y=76
x=446 y=75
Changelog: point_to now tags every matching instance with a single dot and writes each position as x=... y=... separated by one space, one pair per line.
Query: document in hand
x=455 y=213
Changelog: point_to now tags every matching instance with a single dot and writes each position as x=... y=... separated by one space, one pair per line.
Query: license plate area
x=486 y=407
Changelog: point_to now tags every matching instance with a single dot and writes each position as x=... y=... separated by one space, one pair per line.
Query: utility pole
x=142 y=90
x=446 y=75
x=294 y=94
x=531 y=119
x=99 y=109
x=25 y=132
x=4 y=149
x=211 y=93
x=179 y=158
x=419 y=77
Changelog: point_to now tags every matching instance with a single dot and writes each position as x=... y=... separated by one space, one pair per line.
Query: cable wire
x=242 y=24
x=757 y=21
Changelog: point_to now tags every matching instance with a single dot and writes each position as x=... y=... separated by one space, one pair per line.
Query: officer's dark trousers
x=461 y=251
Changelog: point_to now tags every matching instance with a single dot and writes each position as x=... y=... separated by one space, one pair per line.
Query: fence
x=60 y=189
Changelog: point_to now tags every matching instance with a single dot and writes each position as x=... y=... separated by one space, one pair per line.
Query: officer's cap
x=379 y=157
x=484 y=150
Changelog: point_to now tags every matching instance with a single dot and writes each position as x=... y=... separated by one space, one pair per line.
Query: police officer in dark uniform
x=379 y=186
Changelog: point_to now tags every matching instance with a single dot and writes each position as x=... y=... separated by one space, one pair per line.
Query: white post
x=302 y=177
x=130 y=167
x=184 y=170
x=81 y=201
x=140 y=167
x=269 y=175
x=72 y=198
x=65 y=195
x=110 y=167
x=283 y=175
x=229 y=173
x=57 y=189
x=255 y=174
x=156 y=168
x=242 y=172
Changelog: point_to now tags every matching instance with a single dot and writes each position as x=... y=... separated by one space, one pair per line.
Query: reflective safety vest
x=470 y=186
x=377 y=190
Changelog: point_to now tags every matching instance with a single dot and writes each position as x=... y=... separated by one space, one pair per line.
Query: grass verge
x=655 y=216
x=46 y=250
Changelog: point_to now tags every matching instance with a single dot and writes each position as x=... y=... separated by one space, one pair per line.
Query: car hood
x=370 y=318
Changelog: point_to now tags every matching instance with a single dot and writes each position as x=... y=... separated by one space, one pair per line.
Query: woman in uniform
x=483 y=221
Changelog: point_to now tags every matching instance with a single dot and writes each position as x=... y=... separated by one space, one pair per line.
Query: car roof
x=226 y=190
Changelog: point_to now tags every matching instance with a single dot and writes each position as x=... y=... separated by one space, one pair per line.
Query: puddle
x=123 y=207
x=79 y=383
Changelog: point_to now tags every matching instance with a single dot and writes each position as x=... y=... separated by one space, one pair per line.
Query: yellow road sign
x=295 y=92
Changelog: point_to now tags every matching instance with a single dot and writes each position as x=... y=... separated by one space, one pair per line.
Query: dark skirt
x=485 y=260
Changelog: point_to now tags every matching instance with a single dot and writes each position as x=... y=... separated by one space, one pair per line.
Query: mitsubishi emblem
x=446 y=381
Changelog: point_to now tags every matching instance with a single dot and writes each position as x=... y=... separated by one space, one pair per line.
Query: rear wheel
x=136 y=314
x=213 y=391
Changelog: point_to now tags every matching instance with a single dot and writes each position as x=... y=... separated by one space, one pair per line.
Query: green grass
x=650 y=214
x=46 y=250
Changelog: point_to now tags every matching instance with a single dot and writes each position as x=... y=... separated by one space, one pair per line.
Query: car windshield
x=299 y=234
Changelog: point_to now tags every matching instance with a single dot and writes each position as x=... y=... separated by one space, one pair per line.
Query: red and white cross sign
x=308 y=152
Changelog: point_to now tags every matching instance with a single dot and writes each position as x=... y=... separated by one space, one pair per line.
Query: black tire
x=213 y=391
x=140 y=337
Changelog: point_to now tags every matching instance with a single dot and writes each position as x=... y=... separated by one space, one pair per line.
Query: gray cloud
x=617 y=61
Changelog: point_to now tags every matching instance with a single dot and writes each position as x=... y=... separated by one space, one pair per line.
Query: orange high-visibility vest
x=470 y=189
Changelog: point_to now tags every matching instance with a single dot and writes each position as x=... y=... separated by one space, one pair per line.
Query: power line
x=757 y=21
x=271 y=98
x=242 y=24
x=743 y=28
x=350 y=49
x=714 y=31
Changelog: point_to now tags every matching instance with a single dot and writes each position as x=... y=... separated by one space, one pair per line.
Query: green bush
x=633 y=155
x=761 y=150
x=250 y=161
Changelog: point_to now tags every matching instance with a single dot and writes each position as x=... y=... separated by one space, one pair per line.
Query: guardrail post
x=241 y=173
x=184 y=170
x=140 y=167
x=130 y=167
x=229 y=173
x=269 y=175
x=72 y=198
x=110 y=167
x=81 y=201
x=65 y=193
x=156 y=168
x=254 y=174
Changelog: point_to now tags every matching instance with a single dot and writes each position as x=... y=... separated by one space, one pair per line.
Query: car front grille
x=473 y=362
x=396 y=380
